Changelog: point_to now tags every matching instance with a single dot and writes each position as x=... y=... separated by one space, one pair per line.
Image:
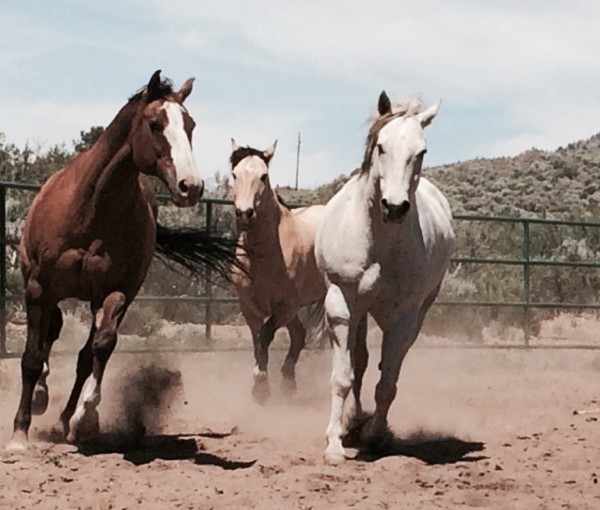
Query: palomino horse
x=91 y=233
x=276 y=251
x=384 y=245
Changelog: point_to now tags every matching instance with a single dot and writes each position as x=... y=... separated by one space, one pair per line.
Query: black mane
x=244 y=152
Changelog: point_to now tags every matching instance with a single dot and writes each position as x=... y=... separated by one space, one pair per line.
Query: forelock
x=243 y=152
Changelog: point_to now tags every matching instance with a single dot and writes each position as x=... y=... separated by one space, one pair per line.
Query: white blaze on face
x=181 y=149
x=247 y=187
x=402 y=139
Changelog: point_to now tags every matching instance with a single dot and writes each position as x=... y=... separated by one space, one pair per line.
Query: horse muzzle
x=394 y=213
x=187 y=194
x=244 y=219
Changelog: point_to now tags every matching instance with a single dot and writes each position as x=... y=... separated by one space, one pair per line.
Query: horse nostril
x=403 y=208
x=384 y=203
x=183 y=187
x=250 y=213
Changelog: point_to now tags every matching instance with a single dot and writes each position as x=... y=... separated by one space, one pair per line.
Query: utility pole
x=298 y=159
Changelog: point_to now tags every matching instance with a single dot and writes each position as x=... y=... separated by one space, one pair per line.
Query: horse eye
x=263 y=177
x=234 y=176
x=380 y=149
x=155 y=125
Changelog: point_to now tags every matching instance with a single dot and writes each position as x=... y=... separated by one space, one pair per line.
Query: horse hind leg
x=297 y=342
x=32 y=361
x=84 y=424
x=39 y=404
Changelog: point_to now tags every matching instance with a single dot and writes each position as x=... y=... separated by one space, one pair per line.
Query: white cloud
x=512 y=74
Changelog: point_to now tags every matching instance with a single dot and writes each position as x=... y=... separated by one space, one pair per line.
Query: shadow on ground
x=165 y=447
x=431 y=448
x=440 y=450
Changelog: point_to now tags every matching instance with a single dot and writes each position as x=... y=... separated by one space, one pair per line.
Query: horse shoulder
x=342 y=243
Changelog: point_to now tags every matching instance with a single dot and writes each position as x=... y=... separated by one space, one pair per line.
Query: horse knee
x=104 y=344
x=32 y=365
x=33 y=292
x=336 y=308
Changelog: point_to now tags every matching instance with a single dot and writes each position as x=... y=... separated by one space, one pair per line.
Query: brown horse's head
x=161 y=140
x=250 y=171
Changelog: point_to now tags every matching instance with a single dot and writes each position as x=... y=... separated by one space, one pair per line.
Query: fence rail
x=525 y=261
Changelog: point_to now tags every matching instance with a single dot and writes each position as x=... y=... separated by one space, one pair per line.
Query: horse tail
x=196 y=251
x=314 y=321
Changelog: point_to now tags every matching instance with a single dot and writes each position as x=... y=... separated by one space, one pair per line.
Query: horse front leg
x=343 y=331
x=297 y=342
x=353 y=411
x=397 y=340
x=84 y=424
x=281 y=315
x=32 y=362
x=85 y=361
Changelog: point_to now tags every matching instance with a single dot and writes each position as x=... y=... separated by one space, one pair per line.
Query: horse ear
x=153 y=88
x=384 y=105
x=185 y=89
x=268 y=153
x=234 y=145
x=428 y=115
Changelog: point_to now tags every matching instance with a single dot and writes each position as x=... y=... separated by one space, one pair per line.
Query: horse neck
x=110 y=157
x=265 y=232
x=106 y=175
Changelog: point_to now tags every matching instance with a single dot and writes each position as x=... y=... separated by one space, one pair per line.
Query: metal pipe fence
x=525 y=261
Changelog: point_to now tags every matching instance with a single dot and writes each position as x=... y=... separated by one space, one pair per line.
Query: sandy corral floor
x=472 y=428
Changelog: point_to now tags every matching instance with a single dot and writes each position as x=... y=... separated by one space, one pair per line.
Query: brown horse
x=276 y=251
x=91 y=233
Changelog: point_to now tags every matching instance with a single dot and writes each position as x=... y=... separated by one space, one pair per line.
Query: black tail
x=196 y=251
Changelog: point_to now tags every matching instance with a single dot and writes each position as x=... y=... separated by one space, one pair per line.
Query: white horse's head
x=250 y=171
x=395 y=149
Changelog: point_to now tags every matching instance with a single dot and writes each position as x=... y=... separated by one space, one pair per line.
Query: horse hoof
x=261 y=392
x=86 y=429
x=39 y=403
x=334 y=458
x=374 y=442
x=18 y=443
x=289 y=386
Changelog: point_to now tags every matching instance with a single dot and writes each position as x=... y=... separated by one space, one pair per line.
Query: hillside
x=561 y=184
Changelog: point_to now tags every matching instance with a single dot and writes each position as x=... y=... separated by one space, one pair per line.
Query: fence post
x=208 y=316
x=2 y=271
x=526 y=267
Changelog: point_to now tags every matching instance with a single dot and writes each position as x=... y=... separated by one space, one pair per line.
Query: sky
x=512 y=75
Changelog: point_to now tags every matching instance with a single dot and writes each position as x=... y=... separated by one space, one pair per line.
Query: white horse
x=277 y=253
x=383 y=246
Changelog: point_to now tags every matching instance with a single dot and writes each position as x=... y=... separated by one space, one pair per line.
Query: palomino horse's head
x=250 y=171
x=161 y=140
x=395 y=150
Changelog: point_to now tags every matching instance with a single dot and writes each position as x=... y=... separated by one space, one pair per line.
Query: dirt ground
x=475 y=428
